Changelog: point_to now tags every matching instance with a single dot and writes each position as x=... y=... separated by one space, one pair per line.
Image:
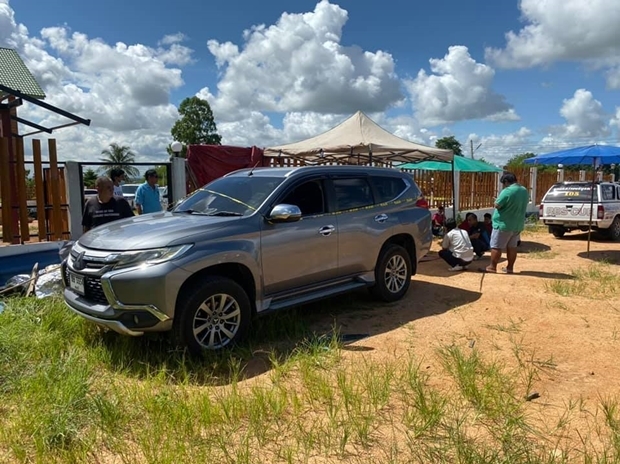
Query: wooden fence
x=49 y=205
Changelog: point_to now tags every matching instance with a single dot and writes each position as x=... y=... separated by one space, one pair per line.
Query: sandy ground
x=573 y=341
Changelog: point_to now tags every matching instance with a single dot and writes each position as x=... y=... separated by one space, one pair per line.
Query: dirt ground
x=572 y=340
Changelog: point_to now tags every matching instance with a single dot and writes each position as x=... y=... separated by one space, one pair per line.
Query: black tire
x=558 y=232
x=212 y=293
x=613 y=233
x=392 y=274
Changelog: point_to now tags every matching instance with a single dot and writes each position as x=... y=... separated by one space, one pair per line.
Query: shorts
x=502 y=239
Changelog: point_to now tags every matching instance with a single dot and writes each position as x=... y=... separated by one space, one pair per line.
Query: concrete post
x=560 y=174
x=179 y=179
x=499 y=184
x=582 y=175
x=533 y=184
x=74 y=198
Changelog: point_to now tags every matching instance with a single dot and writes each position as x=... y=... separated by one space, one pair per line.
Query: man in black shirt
x=105 y=207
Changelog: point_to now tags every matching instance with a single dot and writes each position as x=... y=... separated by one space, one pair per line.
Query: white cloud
x=584 y=115
x=124 y=89
x=498 y=149
x=564 y=30
x=615 y=121
x=297 y=65
x=458 y=89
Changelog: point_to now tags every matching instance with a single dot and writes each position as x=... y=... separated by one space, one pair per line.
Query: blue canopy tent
x=596 y=155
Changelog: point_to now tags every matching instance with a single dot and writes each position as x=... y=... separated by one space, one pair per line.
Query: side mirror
x=285 y=213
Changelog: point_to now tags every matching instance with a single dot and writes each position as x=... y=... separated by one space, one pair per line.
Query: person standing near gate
x=147 y=195
x=118 y=177
x=104 y=207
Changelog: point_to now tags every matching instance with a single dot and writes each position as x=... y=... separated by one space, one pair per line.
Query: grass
x=542 y=254
x=69 y=393
x=597 y=281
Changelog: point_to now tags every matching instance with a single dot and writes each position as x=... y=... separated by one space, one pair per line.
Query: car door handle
x=327 y=230
x=381 y=218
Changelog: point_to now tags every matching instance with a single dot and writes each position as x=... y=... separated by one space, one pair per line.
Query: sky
x=510 y=76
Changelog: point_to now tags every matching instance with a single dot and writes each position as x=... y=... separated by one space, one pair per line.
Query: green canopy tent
x=461 y=164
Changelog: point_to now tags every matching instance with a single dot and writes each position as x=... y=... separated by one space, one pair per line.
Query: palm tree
x=122 y=158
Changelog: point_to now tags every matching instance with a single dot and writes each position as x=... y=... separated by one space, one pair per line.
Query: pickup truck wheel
x=392 y=274
x=614 y=230
x=214 y=316
x=558 y=232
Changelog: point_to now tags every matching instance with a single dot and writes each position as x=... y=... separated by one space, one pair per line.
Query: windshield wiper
x=224 y=213
x=186 y=211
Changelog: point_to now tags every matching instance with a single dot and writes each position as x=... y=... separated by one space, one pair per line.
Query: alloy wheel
x=217 y=321
x=396 y=274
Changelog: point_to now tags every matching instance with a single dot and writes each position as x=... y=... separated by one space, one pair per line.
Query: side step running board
x=314 y=296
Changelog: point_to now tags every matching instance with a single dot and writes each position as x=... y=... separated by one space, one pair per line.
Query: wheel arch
x=236 y=272
x=408 y=243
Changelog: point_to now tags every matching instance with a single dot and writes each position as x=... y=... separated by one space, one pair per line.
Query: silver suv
x=248 y=243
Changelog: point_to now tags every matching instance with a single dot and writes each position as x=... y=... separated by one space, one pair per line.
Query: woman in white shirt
x=457 y=249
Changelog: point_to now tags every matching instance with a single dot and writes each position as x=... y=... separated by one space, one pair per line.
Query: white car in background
x=129 y=194
x=163 y=197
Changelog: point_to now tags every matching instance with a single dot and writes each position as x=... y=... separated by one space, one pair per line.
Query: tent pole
x=591 y=205
x=454 y=207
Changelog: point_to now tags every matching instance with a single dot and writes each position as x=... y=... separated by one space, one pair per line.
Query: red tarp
x=209 y=162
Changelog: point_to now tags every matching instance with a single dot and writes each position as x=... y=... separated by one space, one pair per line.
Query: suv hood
x=150 y=231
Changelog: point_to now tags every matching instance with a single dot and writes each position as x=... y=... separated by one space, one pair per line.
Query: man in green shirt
x=508 y=222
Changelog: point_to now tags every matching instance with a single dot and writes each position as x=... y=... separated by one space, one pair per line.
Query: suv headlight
x=154 y=256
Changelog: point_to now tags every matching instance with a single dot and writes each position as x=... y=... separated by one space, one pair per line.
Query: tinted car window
x=352 y=193
x=608 y=192
x=388 y=188
x=570 y=193
x=308 y=197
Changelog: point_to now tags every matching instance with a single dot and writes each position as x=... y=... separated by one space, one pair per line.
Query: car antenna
x=252 y=170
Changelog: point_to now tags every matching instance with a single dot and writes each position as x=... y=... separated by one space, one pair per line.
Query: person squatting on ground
x=478 y=235
x=104 y=207
x=456 y=248
x=439 y=222
x=508 y=223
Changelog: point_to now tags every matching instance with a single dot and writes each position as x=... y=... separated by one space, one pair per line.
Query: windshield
x=235 y=196
x=575 y=193
x=130 y=189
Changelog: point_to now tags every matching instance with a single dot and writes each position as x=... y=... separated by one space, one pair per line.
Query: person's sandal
x=505 y=270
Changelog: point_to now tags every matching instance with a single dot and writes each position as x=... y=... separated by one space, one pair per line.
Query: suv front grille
x=94 y=291
x=92 y=288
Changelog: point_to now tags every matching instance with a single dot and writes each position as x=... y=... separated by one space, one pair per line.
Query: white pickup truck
x=566 y=207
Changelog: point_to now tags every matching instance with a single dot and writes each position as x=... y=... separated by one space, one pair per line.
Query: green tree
x=89 y=177
x=450 y=143
x=162 y=172
x=196 y=125
x=518 y=162
x=121 y=157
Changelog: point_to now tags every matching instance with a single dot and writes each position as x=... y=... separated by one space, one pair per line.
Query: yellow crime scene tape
x=352 y=210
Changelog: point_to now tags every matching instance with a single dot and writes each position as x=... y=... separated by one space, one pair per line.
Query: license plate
x=76 y=283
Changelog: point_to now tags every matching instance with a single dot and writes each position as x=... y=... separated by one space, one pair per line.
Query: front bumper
x=129 y=301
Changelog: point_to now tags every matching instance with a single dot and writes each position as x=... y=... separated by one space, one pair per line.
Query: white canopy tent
x=358 y=140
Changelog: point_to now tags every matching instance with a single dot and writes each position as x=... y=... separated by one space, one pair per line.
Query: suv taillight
x=422 y=203
x=540 y=210
x=600 y=212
